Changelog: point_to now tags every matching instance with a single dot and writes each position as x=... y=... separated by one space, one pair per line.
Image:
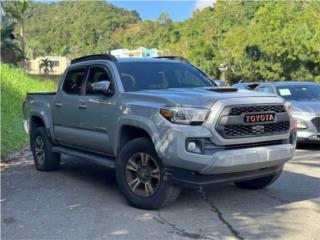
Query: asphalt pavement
x=82 y=201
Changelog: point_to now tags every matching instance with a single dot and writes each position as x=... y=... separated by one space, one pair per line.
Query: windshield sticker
x=285 y=92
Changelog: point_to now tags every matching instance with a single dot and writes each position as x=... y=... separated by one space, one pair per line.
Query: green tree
x=286 y=37
x=10 y=51
x=17 y=10
x=74 y=28
x=257 y=40
x=46 y=65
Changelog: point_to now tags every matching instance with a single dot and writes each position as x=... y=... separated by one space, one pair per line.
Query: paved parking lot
x=81 y=201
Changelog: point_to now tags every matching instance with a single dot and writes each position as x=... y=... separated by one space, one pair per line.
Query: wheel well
x=129 y=133
x=36 y=122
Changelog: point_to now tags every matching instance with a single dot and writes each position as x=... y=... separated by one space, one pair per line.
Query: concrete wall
x=59 y=65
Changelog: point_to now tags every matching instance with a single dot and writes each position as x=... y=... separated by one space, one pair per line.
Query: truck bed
x=41 y=103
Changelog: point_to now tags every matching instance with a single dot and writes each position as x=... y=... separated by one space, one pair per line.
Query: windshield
x=300 y=92
x=137 y=76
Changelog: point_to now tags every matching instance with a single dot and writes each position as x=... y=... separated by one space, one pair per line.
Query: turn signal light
x=166 y=113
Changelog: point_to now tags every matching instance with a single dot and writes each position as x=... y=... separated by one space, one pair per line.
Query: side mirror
x=102 y=87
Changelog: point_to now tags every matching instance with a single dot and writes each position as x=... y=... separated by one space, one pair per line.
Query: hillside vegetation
x=73 y=28
x=256 y=40
x=14 y=86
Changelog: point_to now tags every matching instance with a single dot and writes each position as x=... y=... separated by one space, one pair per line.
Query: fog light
x=191 y=146
x=194 y=146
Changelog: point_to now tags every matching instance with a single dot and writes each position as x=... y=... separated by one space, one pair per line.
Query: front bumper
x=174 y=154
x=238 y=160
x=247 y=159
x=312 y=132
x=190 y=179
x=308 y=136
x=232 y=155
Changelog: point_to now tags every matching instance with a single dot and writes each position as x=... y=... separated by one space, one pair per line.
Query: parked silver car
x=305 y=99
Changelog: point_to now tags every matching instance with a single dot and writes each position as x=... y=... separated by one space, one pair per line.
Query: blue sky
x=178 y=10
x=149 y=9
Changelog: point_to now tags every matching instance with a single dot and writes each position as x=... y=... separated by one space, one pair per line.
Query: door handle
x=82 y=106
x=58 y=104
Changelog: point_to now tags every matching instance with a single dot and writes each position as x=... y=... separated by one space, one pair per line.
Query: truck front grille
x=209 y=147
x=258 y=108
x=232 y=125
x=254 y=130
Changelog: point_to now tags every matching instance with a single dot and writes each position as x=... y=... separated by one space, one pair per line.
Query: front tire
x=41 y=147
x=259 y=183
x=140 y=176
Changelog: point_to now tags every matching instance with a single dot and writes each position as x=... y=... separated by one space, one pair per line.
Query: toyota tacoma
x=162 y=124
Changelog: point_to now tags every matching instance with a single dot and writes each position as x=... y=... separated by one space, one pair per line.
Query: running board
x=98 y=159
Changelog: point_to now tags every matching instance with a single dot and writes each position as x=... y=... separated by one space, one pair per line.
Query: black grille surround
x=258 y=108
x=231 y=121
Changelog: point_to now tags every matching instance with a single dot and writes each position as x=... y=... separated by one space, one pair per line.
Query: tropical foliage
x=11 y=52
x=73 y=28
x=14 y=86
x=16 y=9
x=46 y=65
x=256 y=40
x=265 y=40
x=9 y=49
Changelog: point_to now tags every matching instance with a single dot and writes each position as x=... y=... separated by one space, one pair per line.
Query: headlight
x=184 y=115
x=301 y=124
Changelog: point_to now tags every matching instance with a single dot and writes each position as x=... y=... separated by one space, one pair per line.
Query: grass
x=14 y=86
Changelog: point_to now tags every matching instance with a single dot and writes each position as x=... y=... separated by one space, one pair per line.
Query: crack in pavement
x=180 y=231
x=234 y=232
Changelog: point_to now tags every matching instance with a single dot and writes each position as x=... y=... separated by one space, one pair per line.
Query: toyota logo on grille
x=259 y=117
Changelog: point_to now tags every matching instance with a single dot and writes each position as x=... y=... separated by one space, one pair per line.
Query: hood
x=306 y=106
x=196 y=97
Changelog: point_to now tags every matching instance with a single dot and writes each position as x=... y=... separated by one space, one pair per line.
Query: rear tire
x=140 y=176
x=41 y=147
x=259 y=183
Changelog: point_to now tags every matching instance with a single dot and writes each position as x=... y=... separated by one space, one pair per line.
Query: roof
x=110 y=57
x=106 y=56
x=146 y=60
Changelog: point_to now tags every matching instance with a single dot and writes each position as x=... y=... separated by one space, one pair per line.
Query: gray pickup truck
x=162 y=124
